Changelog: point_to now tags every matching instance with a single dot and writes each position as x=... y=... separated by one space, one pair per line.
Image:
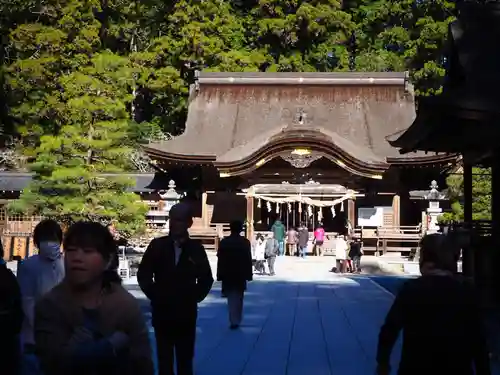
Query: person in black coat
x=234 y=269
x=175 y=275
x=303 y=240
x=440 y=318
x=11 y=319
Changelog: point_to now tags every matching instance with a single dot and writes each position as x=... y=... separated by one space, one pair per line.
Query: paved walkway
x=305 y=320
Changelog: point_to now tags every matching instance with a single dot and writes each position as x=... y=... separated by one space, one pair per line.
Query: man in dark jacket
x=175 y=276
x=303 y=240
x=11 y=318
x=270 y=252
x=440 y=318
x=355 y=253
x=234 y=269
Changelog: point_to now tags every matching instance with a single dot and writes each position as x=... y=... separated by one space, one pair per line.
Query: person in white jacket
x=341 y=248
x=259 y=254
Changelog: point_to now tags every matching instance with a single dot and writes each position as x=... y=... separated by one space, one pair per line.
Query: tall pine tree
x=76 y=115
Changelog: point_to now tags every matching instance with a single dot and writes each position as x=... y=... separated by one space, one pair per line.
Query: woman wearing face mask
x=37 y=275
x=89 y=324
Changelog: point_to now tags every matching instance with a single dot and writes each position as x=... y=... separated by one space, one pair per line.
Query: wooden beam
x=351 y=212
x=204 y=210
x=396 y=210
x=250 y=214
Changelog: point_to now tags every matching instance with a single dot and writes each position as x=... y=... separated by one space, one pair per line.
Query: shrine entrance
x=311 y=204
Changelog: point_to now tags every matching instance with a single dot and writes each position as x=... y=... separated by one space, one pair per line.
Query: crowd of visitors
x=70 y=314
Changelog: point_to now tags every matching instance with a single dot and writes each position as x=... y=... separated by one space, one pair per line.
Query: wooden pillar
x=250 y=206
x=495 y=213
x=467 y=253
x=396 y=211
x=204 y=210
x=351 y=212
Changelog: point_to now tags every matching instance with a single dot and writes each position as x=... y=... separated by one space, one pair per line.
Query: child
x=440 y=319
x=89 y=324
x=260 y=250
x=355 y=254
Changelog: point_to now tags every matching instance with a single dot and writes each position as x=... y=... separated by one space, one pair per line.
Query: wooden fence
x=16 y=233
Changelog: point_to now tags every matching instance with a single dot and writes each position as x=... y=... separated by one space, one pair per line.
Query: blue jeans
x=281 y=247
x=302 y=251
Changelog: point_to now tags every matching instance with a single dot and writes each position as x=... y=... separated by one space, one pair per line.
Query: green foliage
x=481 y=196
x=404 y=35
x=77 y=171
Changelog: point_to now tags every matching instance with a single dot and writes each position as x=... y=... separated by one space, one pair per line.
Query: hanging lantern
x=258 y=204
x=300 y=207
x=333 y=211
x=320 y=214
x=342 y=207
x=309 y=211
x=277 y=208
x=289 y=206
x=268 y=205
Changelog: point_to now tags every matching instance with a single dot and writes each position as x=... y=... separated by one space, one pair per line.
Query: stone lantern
x=170 y=197
x=433 y=210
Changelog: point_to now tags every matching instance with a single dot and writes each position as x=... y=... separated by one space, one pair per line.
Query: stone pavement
x=305 y=320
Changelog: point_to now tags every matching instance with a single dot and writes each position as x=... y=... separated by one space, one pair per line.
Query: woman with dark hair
x=440 y=318
x=89 y=324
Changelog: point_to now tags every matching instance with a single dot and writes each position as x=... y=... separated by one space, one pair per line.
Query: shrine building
x=299 y=147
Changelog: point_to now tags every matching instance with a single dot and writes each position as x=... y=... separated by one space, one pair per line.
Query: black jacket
x=441 y=324
x=11 y=318
x=303 y=236
x=234 y=265
x=174 y=290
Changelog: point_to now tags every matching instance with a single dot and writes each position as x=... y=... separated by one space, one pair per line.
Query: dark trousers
x=270 y=263
x=235 y=305
x=178 y=337
x=10 y=356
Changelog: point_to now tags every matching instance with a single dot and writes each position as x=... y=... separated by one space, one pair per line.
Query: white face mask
x=50 y=250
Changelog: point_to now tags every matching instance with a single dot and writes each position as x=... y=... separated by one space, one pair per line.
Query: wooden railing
x=398 y=236
x=210 y=236
x=390 y=238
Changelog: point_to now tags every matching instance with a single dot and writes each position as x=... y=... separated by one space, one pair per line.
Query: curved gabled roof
x=232 y=117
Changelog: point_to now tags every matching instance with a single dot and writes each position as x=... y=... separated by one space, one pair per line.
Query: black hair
x=236 y=226
x=259 y=236
x=438 y=249
x=96 y=235
x=45 y=230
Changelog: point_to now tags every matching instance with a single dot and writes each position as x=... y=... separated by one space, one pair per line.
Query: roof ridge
x=303 y=78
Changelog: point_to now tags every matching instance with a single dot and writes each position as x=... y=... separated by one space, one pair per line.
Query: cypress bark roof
x=234 y=116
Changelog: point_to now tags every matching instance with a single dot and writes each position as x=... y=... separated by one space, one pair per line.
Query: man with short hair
x=37 y=275
x=440 y=317
x=234 y=269
x=175 y=275
x=279 y=232
x=271 y=251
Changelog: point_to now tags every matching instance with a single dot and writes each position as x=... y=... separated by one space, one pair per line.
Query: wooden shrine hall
x=254 y=141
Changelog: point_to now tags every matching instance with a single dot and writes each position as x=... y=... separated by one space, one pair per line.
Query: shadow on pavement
x=294 y=328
